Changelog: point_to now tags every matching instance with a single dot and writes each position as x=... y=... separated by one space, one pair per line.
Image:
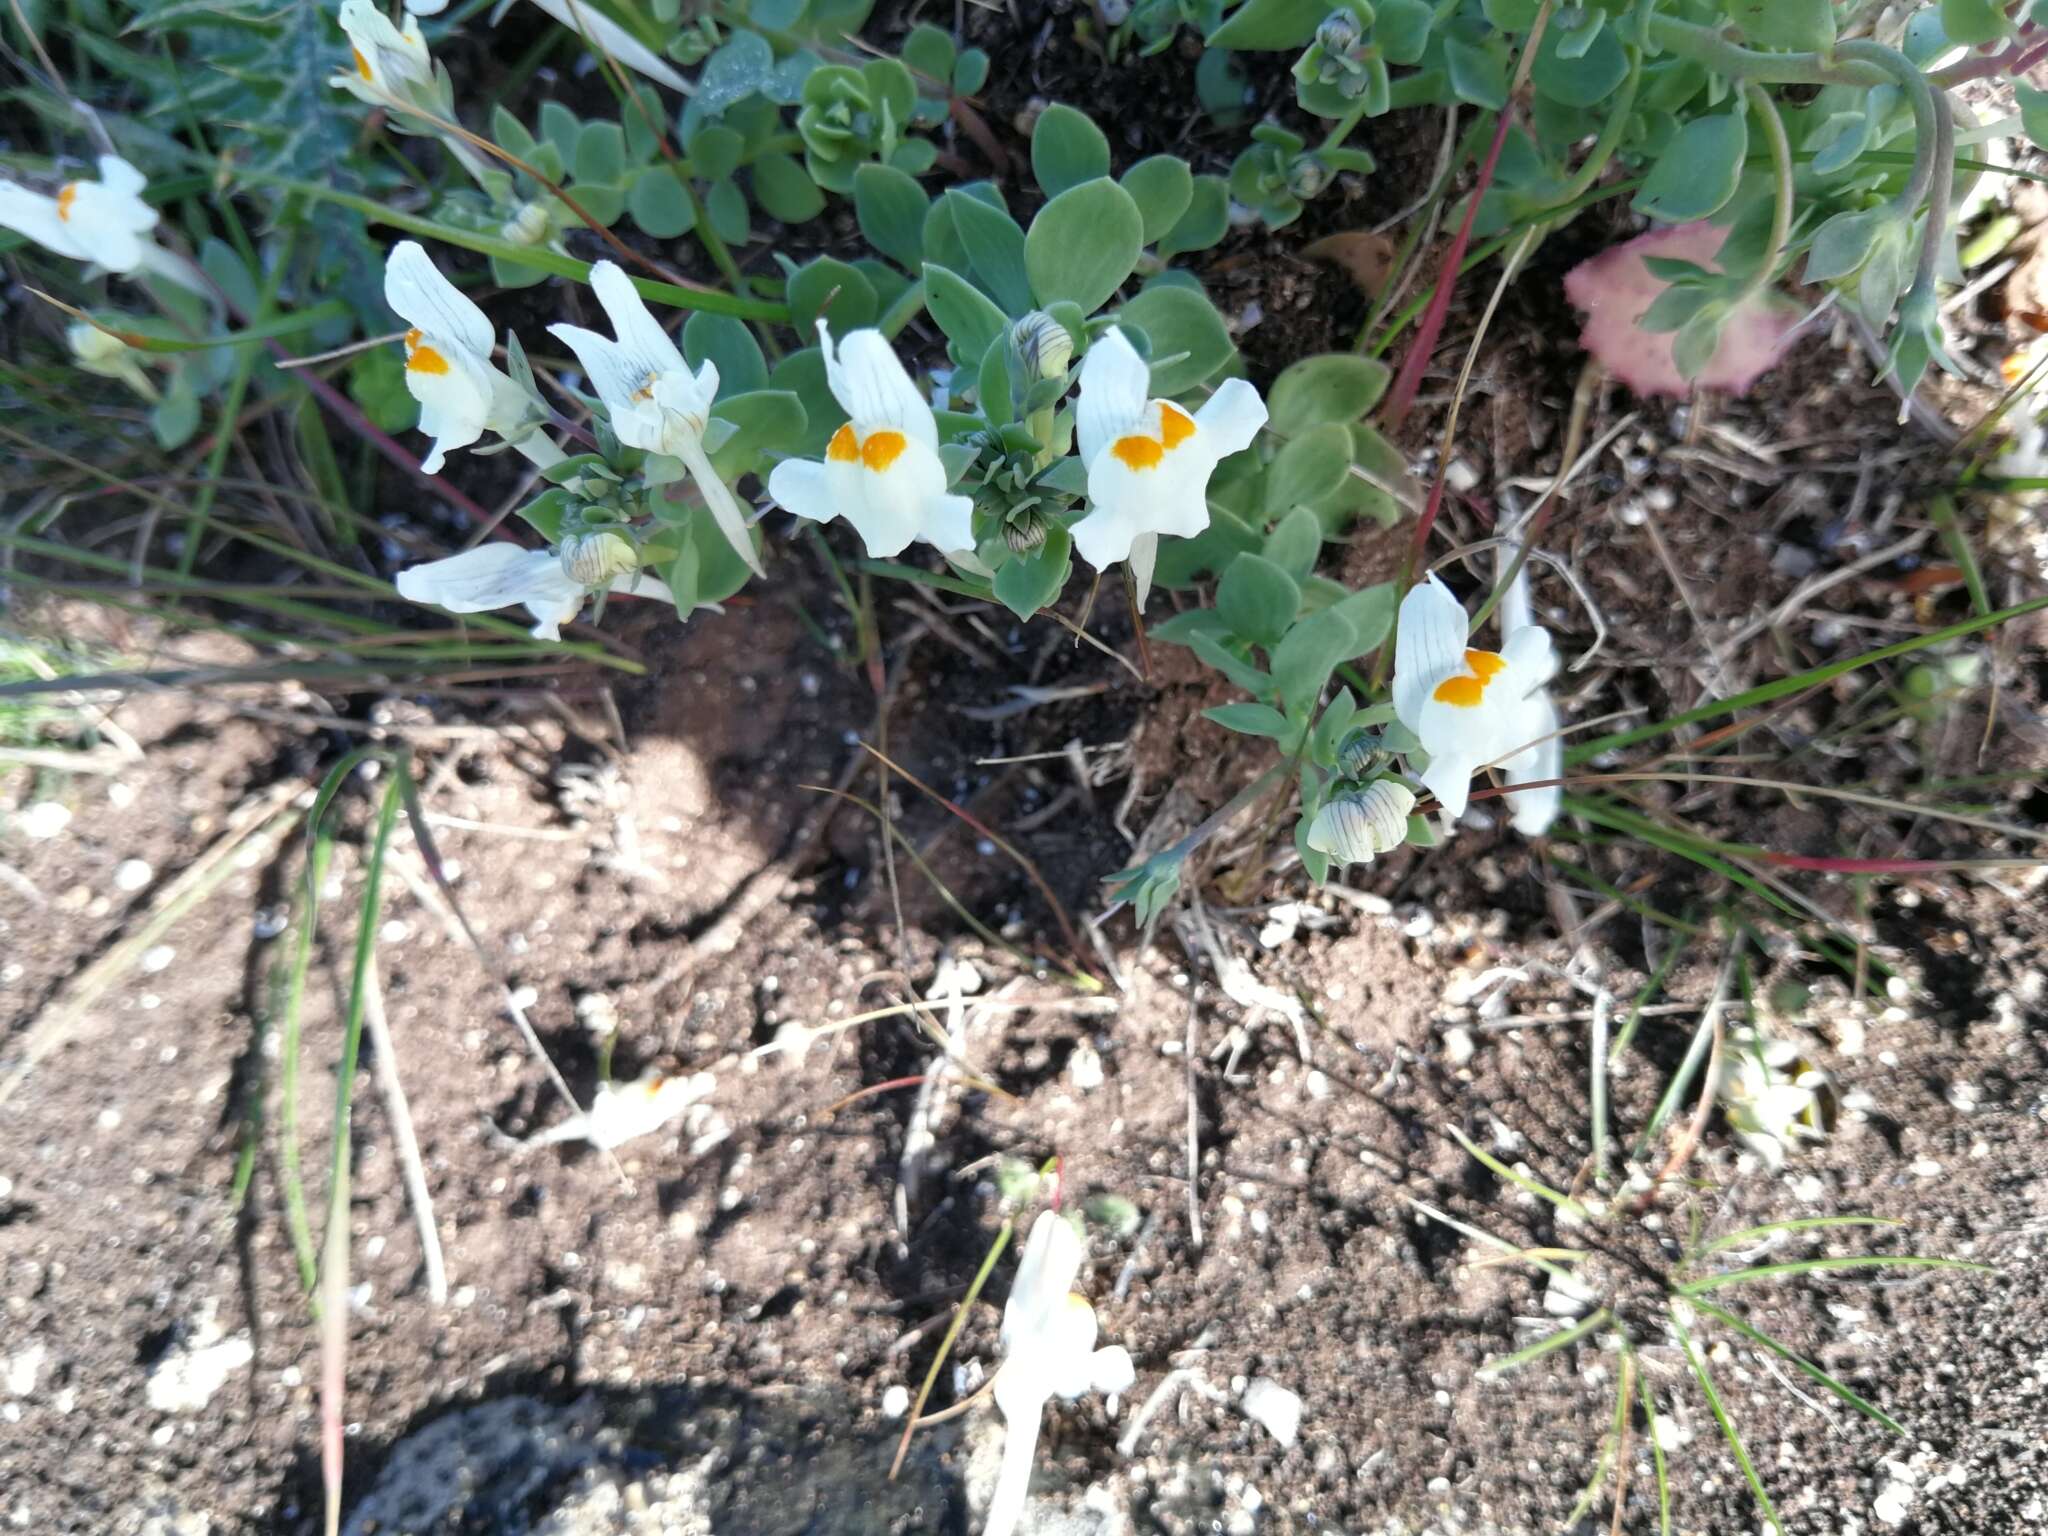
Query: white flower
x=1773 y=1098
x=618 y=1114
x=882 y=470
x=1352 y=828
x=448 y=363
x=1048 y=1343
x=652 y=399
x=1148 y=460
x=500 y=575
x=1472 y=708
x=98 y=221
x=389 y=63
x=604 y=34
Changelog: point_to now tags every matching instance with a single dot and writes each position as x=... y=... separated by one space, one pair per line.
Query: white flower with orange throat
x=551 y=586
x=882 y=470
x=102 y=221
x=1149 y=460
x=448 y=368
x=1048 y=1343
x=652 y=398
x=1473 y=709
x=388 y=65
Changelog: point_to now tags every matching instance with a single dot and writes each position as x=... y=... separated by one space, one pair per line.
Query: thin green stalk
x=1599 y=1318
x=1766 y=112
x=1813 y=1372
x=1705 y=46
x=1823 y=1266
x=1650 y=989
x=1656 y=1454
x=1341 y=129
x=960 y=1312
x=296 y=1221
x=1942 y=509
x=1522 y=1181
x=1767 y=692
x=1699 y=1370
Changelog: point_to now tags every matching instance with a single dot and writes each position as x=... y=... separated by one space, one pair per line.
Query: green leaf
x=725 y=210
x=1206 y=221
x=971 y=322
x=995 y=250
x=560 y=127
x=1305 y=658
x=785 y=191
x=1083 y=244
x=766 y=423
x=1257 y=599
x=1337 y=386
x=1807 y=26
x=1180 y=320
x=2033 y=113
x=970 y=71
x=714 y=152
x=1162 y=187
x=1295 y=542
x=929 y=52
x=659 y=204
x=1698 y=340
x=743 y=65
x=1401 y=28
x=1249 y=719
x=1308 y=468
x=601 y=153
x=1478 y=75
x=1233 y=666
x=1586 y=79
x=1067 y=149
x=727 y=344
x=1370 y=613
x=1971 y=22
x=1026 y=583
x=831 y=289
x=1698 y=171
x=1269 y=24
x=175 y=418
x=891 y=207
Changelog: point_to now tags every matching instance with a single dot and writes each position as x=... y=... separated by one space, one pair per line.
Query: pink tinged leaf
x=1614 y=290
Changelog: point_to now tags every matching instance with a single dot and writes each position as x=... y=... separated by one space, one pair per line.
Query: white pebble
x=896 y=1402
x=1084 y=1067
x=133 y=875
x=1894 y=1504
x=1273 y=1407
x=185 y=1380
x=1458 y=1047
x=157 y=959
x=45 y=819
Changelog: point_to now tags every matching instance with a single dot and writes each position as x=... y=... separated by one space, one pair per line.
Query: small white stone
x=110 y=1119
x=186 y=1379
x=1317 y=1084
x=1084 y=1067
x=1894 y=1504
x=896 y=1402
x=1926 y=1168
x=133 y=875
x=157 y=959
x=23 y=1367
x=45 y=819
x=524 y=997
x=1458 y=1047
x=1272 y=1406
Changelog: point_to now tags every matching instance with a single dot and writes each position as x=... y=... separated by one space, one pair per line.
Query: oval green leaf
x=1083 y=244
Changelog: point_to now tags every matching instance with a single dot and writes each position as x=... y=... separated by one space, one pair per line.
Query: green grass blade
x=1656 y=1455
x=1813 y=677
x=1757 y=1336
x=1523 y=1181
x=1803 y=1224
x=1942 y=510
x=1627 y=1033
x=1823 y=1266
x=1699 y=1371
x=296 y=1221
x=1599 y=1318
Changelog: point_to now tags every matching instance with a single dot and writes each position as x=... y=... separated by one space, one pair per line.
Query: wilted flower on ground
x=388 y=63
x=1614 y=290
x=653 y=400
x=1148 y=460
x=1773 y=1097
x=501 y=575
x=448 y=366
x=1048 y=1343
x=882 y=471
x=100 y=221
x=1472 y=708
x=1355 y=826
x=621 y=1112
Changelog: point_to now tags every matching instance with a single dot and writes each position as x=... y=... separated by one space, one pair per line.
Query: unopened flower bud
x=1354 y=827
x=1024 y=531
x=1363 y=754
x=107 y=355
x=1339 y=32
x=594 y=559
x=1306 y=176
x=529 y=226
x=1042 y=346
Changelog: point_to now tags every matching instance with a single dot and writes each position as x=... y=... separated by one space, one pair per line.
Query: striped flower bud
x=1042 y=345
x=1024 y=531
x=529 y=226
x=1363 y=754
x=1354 y=827
x=593 y=559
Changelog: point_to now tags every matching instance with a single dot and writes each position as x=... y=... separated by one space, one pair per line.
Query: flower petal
x=34 y=215
x=415 y=288
x=1231 y=417
x=1429 y=646
x=493 y=575
x=1111 y=527
x=721 y=504
x=803 y=487
x=1144 y=556
x=869 y=381
x=607 y=36
x=612 y=373
x=640 y=335
x=1116 y=385
x=1535 y=809
x=1045 y=1276
x=1531 y=658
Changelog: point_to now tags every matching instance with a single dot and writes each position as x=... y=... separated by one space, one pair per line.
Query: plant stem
x=1335 y=138
x=1705 y=46
x=1781 y=175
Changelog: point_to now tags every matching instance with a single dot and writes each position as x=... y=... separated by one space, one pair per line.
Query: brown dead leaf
x=1368 y=258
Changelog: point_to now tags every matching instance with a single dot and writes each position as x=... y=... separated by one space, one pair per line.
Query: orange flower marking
x=65 y=198
x=882 y=449
x=1176 y=426
x=1138 y=452
x=423 y=359
x=362 y=64
x=845 y=446
x=412 y=339
x=1466 y=692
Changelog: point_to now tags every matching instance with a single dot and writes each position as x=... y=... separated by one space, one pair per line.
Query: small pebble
x=133 y=875
x=896 y=1402
x=1272 y=1406
x=45 y=819
x=157 y=959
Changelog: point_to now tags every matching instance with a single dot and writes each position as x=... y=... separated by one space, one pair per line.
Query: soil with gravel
x=713 y=1332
